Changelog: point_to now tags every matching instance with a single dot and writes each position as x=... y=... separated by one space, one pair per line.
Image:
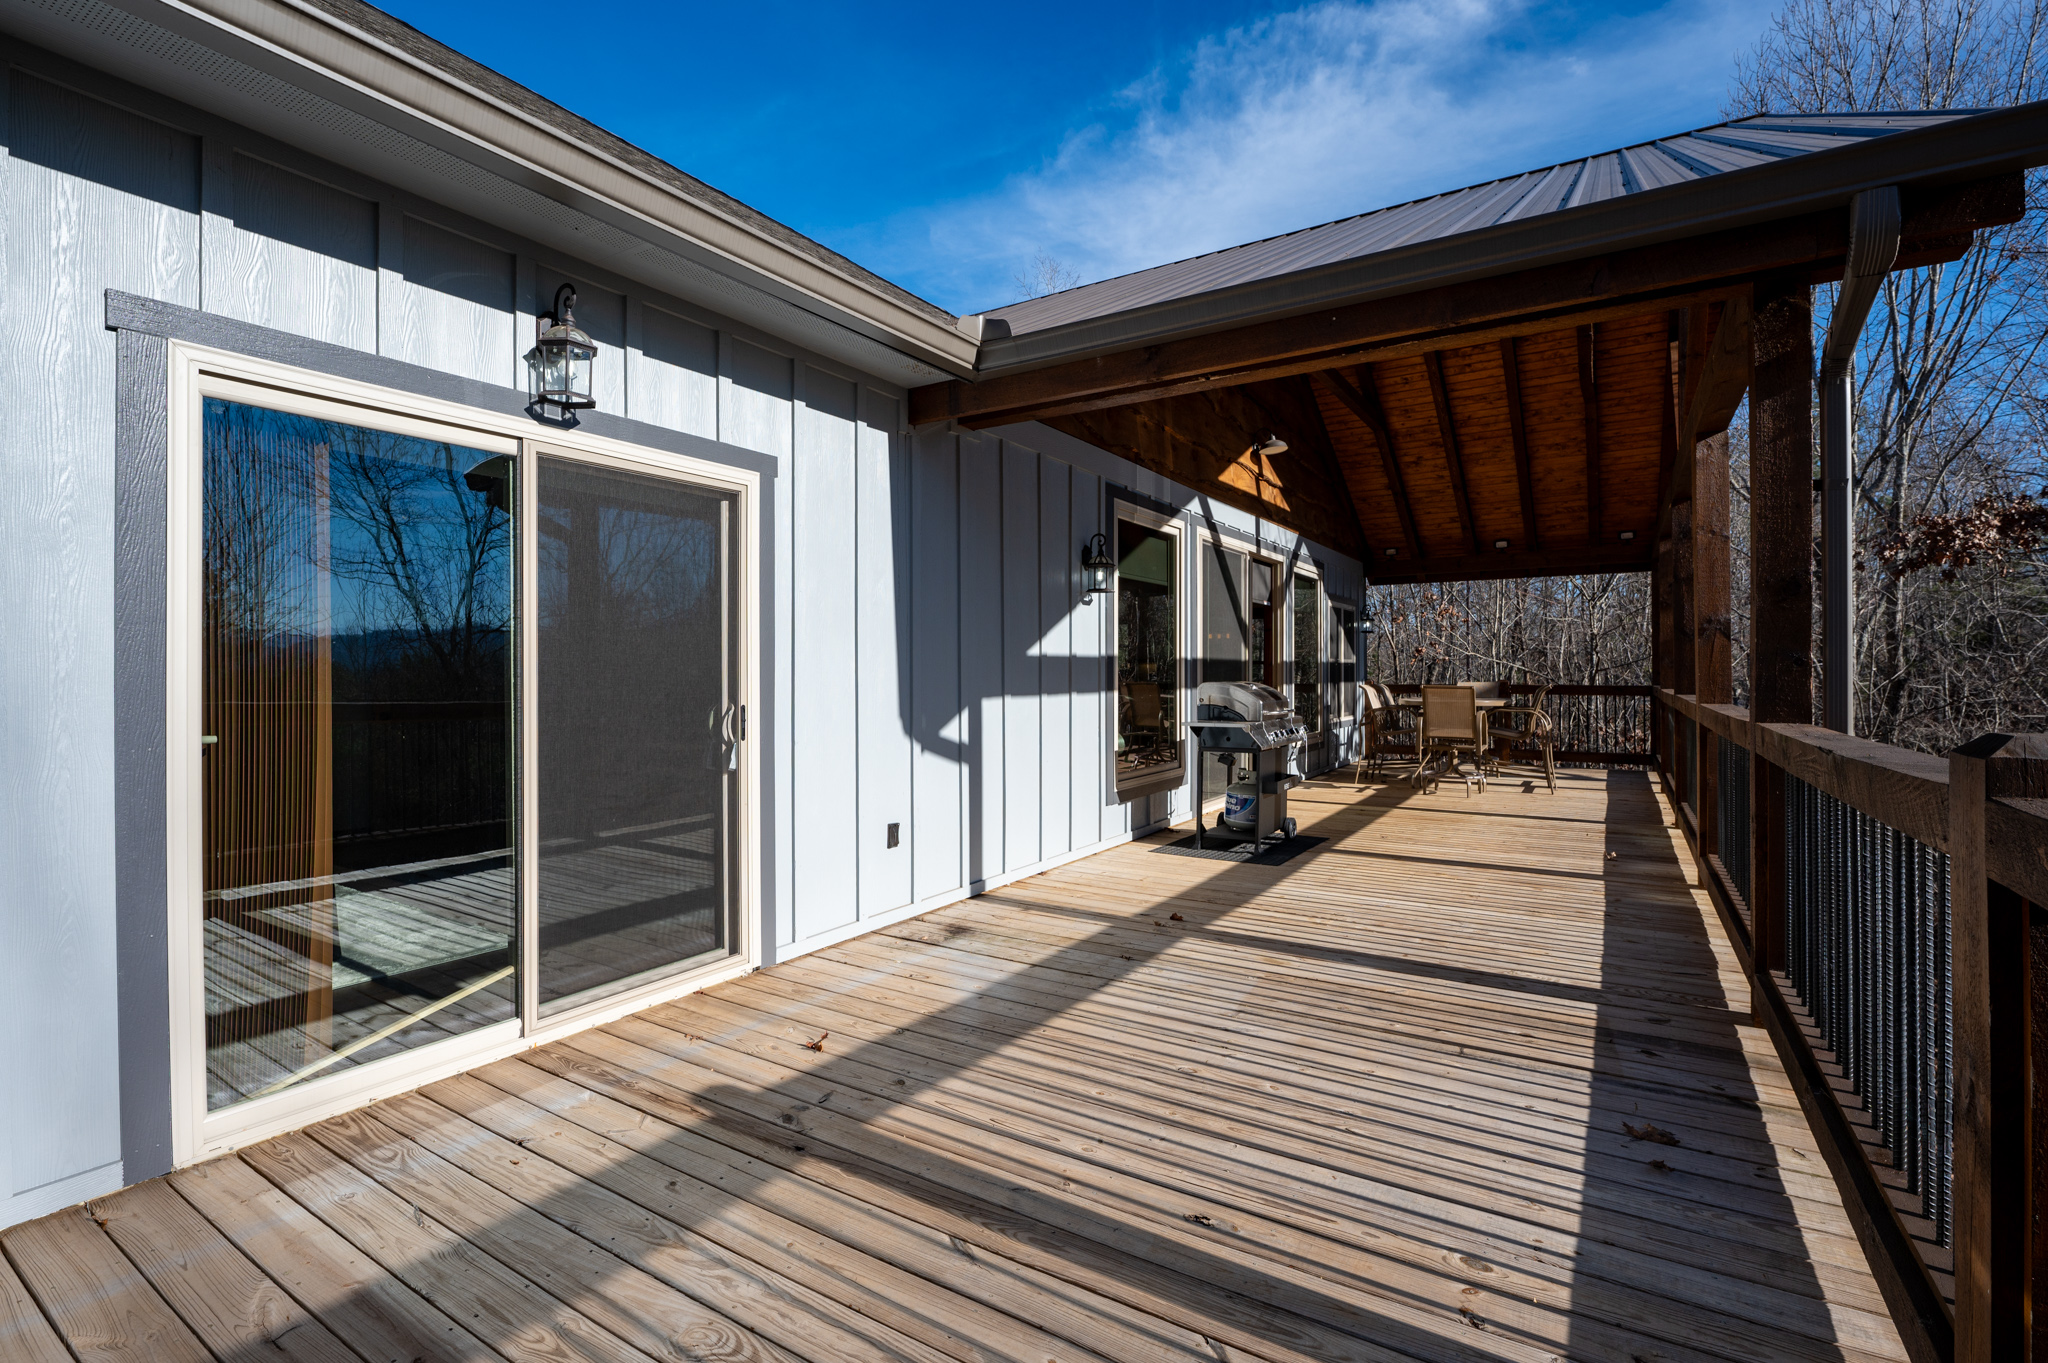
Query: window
x=1223 y=630
x=1308 y=652
x=1148 y=746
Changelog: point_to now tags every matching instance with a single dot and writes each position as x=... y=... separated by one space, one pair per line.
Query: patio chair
x=1380 y=732
x=1451 y=729
x=1527 y=724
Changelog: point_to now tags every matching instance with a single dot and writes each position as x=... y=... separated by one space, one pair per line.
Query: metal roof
x=1759 y=140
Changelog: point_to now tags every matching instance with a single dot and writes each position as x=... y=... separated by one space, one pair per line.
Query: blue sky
x=948 y=146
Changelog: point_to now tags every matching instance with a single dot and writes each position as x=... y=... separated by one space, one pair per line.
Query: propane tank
x=1241 y=805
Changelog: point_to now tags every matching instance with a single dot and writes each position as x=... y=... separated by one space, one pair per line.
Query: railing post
x=1780 y=575
x=1998 y=959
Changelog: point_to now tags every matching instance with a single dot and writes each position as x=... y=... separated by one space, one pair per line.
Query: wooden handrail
x=1986 y=806
x=2016 y=846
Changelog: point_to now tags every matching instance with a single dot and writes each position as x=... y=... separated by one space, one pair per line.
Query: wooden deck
x=1372 y=1104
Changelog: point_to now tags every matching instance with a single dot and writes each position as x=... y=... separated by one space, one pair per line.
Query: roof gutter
x=1965 y=149
x=358 y=69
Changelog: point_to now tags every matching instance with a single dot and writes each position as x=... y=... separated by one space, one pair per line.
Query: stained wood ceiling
x=1467 y=462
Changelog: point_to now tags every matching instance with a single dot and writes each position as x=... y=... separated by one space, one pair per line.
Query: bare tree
x=1949 y=374
x=1046 y=274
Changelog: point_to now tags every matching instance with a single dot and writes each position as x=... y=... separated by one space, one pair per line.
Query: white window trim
x=197 y=372
x=1172 y=528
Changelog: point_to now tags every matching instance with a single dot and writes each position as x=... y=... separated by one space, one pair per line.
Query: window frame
x=1131 y=788
x=1305 y=571
x=198 y=372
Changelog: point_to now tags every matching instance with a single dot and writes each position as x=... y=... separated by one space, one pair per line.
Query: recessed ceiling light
x=1628 y=534
x=1392 y=552
x=1500 y=544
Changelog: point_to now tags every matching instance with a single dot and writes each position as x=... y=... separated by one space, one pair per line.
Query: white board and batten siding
x=931 y=666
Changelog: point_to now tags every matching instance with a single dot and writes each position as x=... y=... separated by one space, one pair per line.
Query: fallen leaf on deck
x=819 y=1045
x=1176 y=918
x=1199 y=1219
x=1660 y=1166
x=1649 y=1131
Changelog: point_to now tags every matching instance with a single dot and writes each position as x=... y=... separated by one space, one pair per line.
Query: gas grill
x=1244 y=721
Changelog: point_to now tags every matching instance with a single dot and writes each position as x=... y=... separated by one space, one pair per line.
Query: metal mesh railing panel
x=1732 y=825
x=1867 y=949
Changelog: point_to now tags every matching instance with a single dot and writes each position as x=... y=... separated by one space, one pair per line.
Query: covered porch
x=1461 y=1079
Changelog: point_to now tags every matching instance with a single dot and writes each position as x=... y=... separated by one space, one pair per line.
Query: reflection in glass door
x=357 y=758
x=639 y=727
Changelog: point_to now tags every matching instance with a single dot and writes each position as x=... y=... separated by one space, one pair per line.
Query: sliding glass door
x=357 y=760
x=470 y=734
x=639 y=727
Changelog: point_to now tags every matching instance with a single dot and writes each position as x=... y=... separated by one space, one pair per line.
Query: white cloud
x=1316 y=114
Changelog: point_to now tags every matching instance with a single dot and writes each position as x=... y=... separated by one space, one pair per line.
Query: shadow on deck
x=1471 y=1079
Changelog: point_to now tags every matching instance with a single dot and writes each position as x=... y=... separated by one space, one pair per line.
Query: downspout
x=1873 y=246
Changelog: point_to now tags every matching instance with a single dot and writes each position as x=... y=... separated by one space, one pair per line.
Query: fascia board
x=1959 y=150
x=311 y=49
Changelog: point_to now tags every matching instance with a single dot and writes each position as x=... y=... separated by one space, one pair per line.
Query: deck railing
x=1592 y=726
x=1887 y=906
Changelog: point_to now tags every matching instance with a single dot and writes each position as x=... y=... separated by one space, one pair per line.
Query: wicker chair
x=1527 y=724
x=1451 y=730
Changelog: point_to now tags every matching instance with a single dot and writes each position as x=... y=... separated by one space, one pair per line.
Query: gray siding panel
x=937 y=722
x=825 y=690
x=1055 y=666
x=981 y=650
x=297 y=256
x=1022 y=756
x=675 y=378
x=882 y=572
x=454 y=310
x=96 y=197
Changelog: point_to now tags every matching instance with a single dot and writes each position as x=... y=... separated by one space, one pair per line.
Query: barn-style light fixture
x=1096 y=566
x=558 y=367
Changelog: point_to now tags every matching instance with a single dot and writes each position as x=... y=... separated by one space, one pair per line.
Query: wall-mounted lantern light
x=1096 y=566
x=558 y=367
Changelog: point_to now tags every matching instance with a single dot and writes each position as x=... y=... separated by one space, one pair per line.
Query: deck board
x=1372 y=1104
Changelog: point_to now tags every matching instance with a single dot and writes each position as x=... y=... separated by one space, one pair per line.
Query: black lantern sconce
x=558 y=367
x=1096 y=566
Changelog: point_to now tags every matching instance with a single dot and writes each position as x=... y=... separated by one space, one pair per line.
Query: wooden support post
x=2000 y=1007
x=1682 y=634
x=1712 y=665
x=1780 y=572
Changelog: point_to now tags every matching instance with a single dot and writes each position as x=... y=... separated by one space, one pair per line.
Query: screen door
x=639 y=728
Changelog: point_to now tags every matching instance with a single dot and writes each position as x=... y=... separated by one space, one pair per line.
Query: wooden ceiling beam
x=1637 y=556
x=1364 y=401
x=1589 y=397
x=1593 y=288
x=1447 y=430
x=1518 y=428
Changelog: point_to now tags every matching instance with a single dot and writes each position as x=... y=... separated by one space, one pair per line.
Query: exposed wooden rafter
x=1447 y=430
x=1589 y=397
x=1518 y=429
x=1364 y=401
x=1303 y=414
